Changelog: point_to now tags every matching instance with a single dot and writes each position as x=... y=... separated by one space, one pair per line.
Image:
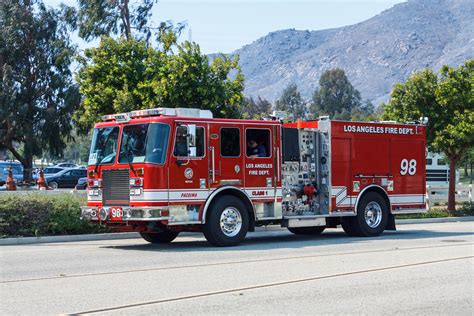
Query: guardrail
x=439 y=193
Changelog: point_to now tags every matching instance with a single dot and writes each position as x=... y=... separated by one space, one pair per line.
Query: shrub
x=433 y=213
x=40 y=214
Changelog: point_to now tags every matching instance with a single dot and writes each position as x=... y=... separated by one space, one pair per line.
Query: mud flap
x=390 y=222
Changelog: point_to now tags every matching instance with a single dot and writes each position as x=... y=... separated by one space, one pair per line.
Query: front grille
x=116 y=187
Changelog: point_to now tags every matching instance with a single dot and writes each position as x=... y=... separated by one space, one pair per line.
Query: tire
x=371 y=219
x=164 y=237
x=227 y=222
x=53 y=185
x=315 y=230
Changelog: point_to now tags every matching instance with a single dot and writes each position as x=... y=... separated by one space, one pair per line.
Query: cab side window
x=230 y=142
x=258 y=142
x=182 y=147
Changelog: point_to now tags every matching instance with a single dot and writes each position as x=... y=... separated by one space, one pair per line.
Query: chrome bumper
x=93 y=213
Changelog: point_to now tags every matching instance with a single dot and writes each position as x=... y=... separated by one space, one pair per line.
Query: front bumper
x=94 y=213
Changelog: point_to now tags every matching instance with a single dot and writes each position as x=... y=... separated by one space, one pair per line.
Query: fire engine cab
x=164 y=171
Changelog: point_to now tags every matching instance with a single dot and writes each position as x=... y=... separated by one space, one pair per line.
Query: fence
x=439 y=193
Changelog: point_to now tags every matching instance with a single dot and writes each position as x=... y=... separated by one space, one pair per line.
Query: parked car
x=17 y=171
x=66 y=178
x=81 y=184
x=52 y=170
x=66 y=165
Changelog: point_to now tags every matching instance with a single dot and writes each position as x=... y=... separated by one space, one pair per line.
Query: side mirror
x=192 y=135
x=192 y=140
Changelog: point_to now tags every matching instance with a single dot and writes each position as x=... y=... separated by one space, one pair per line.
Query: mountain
x=375 y=53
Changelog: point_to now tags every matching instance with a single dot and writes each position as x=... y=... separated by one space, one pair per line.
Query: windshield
x=104 y=144
x=144 y=143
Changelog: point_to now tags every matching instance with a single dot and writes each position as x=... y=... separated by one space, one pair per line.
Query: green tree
x=124 y=75
x=37 y=93
x=335 y=96
x=366 y=112
x=467 y=161
x=77 y=149
x=98 y=18
x=291 y=102
x=255 y=109
x=448 y=101
x=125 y=18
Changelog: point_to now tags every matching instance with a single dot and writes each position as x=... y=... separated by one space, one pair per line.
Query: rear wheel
x=315 y=230
x=163 y=237
x=371 y=219
x=227 y=222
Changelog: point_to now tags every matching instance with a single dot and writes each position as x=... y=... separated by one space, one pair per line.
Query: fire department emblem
x=237 y=169
x=188 y=173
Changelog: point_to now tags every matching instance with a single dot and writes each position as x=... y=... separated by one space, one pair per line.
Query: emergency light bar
x=184 y=112
x=153 y=112
x=121 y=117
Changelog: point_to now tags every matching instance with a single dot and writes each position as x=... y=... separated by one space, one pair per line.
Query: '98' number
x=408 y=167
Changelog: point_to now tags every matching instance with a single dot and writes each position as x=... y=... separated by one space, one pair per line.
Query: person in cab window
x=181 y=146
x=255 y=150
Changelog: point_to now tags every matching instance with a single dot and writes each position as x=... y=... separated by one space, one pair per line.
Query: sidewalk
x=114 y=236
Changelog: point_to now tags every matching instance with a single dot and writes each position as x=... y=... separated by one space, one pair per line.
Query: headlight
x=103 y=214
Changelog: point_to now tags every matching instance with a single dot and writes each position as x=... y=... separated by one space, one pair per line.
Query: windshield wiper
x=129 y=154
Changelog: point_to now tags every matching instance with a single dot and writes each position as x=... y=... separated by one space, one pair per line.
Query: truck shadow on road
x=270 y=240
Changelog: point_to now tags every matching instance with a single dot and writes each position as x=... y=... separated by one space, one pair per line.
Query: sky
x=226 y=25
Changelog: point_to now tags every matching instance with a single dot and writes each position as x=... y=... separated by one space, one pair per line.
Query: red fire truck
x=164 y=171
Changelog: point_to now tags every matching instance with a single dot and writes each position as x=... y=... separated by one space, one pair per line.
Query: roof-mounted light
x=120 y=118
x=108 y=117
x=184 y=112
x=153 y=112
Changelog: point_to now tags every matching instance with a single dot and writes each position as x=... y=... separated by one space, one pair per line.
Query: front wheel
x=371 y=219
x=53 y=185
x=315 y=230
x=227 y=222
x=163 y=237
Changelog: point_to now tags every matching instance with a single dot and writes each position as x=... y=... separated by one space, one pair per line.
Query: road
x=419 y=269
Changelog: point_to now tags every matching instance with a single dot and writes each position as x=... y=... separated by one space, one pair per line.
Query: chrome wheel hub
x=373 y=214
x=230 y=222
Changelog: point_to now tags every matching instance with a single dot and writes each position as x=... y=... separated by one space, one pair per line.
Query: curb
x=66 y=238
x=115 y=236
x=435 y=220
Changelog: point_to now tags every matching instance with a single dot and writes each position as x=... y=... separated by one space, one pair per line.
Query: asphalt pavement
x=421 y=269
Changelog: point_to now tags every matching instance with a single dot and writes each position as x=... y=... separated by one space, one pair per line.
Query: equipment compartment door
x=341 y=191
x=409 y=170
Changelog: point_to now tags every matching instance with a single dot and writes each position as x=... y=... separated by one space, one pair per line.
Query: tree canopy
x=255 y=109
x=448 y=102
x=127 y=74
x=336 y=97
x=292 y=102
x=37 y=93
x=98 y=18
